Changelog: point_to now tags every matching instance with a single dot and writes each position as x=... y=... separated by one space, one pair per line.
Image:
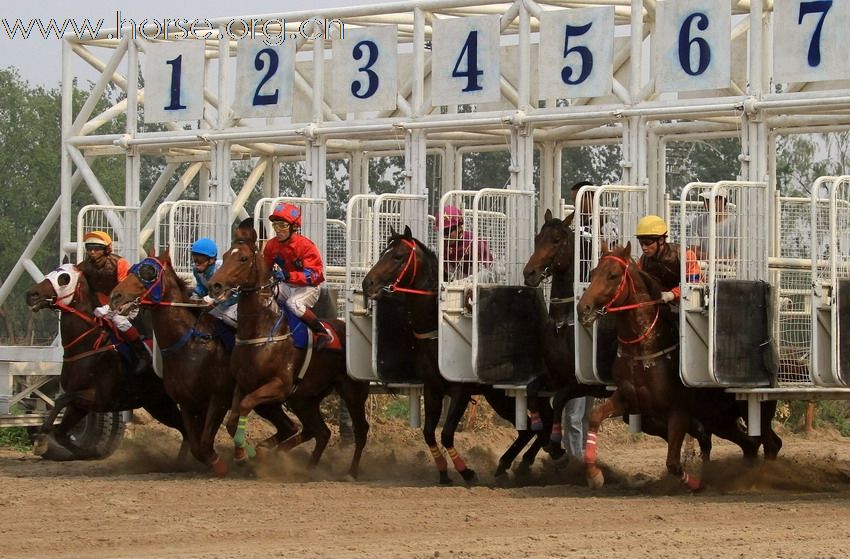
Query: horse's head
x=241 y=265
x=405 y=266
x=611 y=283
x=553 y=250
x=146 y=283
x=58 y=287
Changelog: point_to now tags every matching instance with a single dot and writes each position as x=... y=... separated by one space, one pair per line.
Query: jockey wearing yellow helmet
x=661 y=259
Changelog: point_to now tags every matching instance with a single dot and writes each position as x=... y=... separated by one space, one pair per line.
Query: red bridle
x=411 y=261
x=627 y=280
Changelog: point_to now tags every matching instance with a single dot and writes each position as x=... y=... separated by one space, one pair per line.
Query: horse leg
x=192 y=427
x=40 y=444
x=287 y=435
x=355 y=394
x=677 y=426
x=433 y=403
x=771 y=441
x=457 y=407
x=216 y=408
x=272 y=391
x=532 y=391
x=307 y=410
x=612 y=406
x=73 y=415
x=167 y=413
x=556 y=437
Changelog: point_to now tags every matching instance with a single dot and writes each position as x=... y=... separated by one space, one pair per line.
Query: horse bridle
x=627 y=280
x=411 y=260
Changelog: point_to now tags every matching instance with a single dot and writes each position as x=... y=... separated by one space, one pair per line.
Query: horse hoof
x=445 y=479
x=242 y=454
x=39 y=445
x=595 y=480
x=523 y=470
x=469 y=476
x=218 y=467
x=555 y=452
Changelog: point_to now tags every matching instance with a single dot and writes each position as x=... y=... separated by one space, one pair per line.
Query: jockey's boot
x=323 y=336
x=144 y=360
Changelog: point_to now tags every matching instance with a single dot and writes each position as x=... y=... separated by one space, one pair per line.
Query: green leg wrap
x=239 y=435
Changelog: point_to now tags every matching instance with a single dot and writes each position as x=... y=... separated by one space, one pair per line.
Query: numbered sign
x=691 y=45
x=810 y=40
x=576 y=52
x=174 y=81
x=465 y=60
x=264 y=76
x=365 y=70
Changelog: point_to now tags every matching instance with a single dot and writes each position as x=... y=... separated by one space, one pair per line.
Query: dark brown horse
x=93 y=377
x=196 y=370
x=266 y=363
x=408 y=270
x=646 y=369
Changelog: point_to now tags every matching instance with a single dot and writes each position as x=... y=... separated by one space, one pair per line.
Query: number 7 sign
x=810 y=40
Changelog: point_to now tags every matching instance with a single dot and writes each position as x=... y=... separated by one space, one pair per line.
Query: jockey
x=100 y=256
x=204 y=264
x=458 y=246
x=299 y=269
x=661 y=259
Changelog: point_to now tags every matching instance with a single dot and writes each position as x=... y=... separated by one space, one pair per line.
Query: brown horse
x=196 y=370
x=93 y=377
x=266 y=363
x=408 y=270
x=646 y=369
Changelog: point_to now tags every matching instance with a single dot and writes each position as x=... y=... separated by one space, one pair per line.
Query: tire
x=98 y=432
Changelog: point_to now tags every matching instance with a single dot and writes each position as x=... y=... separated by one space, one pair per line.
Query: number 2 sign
x=264 y=76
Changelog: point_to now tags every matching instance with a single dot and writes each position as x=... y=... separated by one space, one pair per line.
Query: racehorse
x=265 y=362
x=408 y=269
x=94 y=376
x=195 y=371
x=646 y=368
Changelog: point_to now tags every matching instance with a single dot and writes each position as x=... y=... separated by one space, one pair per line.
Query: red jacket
x=298 y=256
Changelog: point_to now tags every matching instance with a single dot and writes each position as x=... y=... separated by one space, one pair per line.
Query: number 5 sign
x=810 y=40
x=465 y=61
x=692 y=42
x=174 y=81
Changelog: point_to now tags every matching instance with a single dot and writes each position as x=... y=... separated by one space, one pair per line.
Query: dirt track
x=133 y=505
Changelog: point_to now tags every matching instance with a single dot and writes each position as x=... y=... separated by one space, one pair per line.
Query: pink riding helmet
x=452 y=217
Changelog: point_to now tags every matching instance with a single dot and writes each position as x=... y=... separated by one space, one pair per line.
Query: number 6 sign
x=692 y=45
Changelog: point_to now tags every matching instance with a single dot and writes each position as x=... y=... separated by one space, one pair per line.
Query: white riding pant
x=298 y=298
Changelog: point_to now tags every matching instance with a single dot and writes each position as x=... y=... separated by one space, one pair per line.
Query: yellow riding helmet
x=98 y=238
x=651 y=226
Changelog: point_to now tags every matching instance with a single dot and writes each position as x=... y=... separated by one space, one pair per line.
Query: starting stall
x=606 y=216
x=490 y=323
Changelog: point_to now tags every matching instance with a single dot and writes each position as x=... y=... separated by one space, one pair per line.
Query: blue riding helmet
x=206 y=247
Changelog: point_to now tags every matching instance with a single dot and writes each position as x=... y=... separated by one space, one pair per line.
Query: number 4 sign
x=465 y=61
x=174 y=81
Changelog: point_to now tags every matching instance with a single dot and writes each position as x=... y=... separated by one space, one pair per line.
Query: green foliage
x=16 y=438
x=834 y=413
x=704 y=160
x=597 y=164
x=396 y=408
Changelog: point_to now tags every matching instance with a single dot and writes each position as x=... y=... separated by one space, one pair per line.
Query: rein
x=411 y=259
x=621 y=288
x=95 y=325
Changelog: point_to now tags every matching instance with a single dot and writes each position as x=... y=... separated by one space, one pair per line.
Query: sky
x=38 y=60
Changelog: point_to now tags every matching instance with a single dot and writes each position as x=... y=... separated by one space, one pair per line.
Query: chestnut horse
x=646 y=369
x=195 y=362
x=408 y=269
x=94 y=377
x=266 y=363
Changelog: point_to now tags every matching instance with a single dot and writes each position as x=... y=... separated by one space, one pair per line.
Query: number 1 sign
x=465 y=60
x=174 y=81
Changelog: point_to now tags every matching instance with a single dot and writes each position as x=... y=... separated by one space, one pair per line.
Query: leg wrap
x=590 y=449
x=439 y=459
x=239 y=435
x=557 y=435
x=458 y=462
x=692 y=482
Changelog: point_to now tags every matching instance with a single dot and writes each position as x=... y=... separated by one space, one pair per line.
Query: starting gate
x=490 y=323
x=377 y=333
x=725 y=310
x=830 y=212
x=119 y=222
x=179 y=224
x=606 y=214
